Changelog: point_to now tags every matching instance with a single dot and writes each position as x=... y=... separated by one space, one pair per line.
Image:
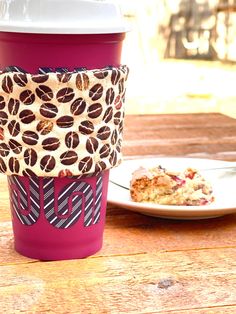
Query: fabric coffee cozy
x=60 y=123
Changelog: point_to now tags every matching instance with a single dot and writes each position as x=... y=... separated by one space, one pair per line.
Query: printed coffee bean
x=14 y=128
x=65 y=173
x=85 y=164
x=40 y=78
x=65 y=95
x=30 y=137
x=113 y=158
x=51 y=143
x=64 y=77
x=27 y=97
x=114 y=137
x=1 y=134
x=82 y=81
x=13 y=106
x=4 y=150
x=68 y=158
x=121 y=86
x=3 y=167
x=7 y=84
x=44 y=93
x=108 y=115
x=27 y=116
x=92 y=145
x=78 y=106
x=105 y=151
x=14 y=165
x=28 y=173
x=118 y=102
x=121 y=127
x=48 y=110
x=86 y=127
x=2 y=103
x=30 y=157
x=118 y=146
x=72 y=140
x=47 y=163
x=3 y=118
x=115 y=76
x=104 y=133
x=96 y=92
x=15 y=146
x=117 y=118
x=65 y=122
x=44 y=127
x=94 y=110
x=20 y=79
x=110 y=95
x=100 y=166
x=100 y=74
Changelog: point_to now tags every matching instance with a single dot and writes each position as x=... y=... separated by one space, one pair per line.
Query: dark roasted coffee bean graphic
x=14 y=165
x=117 y=118
x=85 y=164
x=118 y=146
x=104 y=133
x=2 y=103
x=65 y=95
x=28 y=173
x=40 y=78
x=104 y=151
x=44 y=127
x=30 y=157
x=64 y=77
x=121 y=126
x=4 y=150
x=15 y=146
x=30 y=137
x=100 y=74
x=27 y=116
x=86 y=127
x=47 y=163
x=13 y=106
x=92 y=145
x=94 y=110
x=118 y=102
x=110 y=95
x=68 y=158
x=65 y=173
x=78 y=106
x=3 y=118
x=48 y=110
x=3 y=167
x=27 y=97
x=20 y=79
x=108 y=115
x=72 y=140
x=65 y=122
x=100 y=166
x=7 y=84
x=44 y=92
x=115 y=76
x=82 y=81
x=51 y=143
x=1 y=134
x=96 y=92
x=14 y=127
x=121 y=86
x=114 y=137
x=113 y=158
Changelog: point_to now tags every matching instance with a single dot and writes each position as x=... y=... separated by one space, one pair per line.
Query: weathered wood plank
x=177 y=281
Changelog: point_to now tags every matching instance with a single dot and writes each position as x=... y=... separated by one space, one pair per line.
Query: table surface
x=146 y=265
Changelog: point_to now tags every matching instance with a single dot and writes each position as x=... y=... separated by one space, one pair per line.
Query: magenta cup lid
x=61 y=17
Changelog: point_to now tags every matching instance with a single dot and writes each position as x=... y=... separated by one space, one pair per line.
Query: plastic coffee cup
x=59 y=218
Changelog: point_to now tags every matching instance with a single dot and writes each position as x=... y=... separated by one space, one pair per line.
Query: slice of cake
x=157 y=185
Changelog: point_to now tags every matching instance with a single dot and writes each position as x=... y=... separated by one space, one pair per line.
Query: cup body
x=53 y=218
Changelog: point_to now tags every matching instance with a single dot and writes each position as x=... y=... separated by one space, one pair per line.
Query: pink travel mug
x=57 y=218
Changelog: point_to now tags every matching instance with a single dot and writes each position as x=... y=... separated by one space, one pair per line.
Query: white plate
x=224 y=188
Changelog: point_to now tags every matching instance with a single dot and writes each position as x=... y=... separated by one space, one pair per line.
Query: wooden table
x=147 y=265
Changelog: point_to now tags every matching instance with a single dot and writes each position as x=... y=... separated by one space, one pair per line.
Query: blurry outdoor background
x=182 y=56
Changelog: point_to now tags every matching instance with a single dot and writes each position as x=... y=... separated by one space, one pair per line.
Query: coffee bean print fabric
x=61 y=124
